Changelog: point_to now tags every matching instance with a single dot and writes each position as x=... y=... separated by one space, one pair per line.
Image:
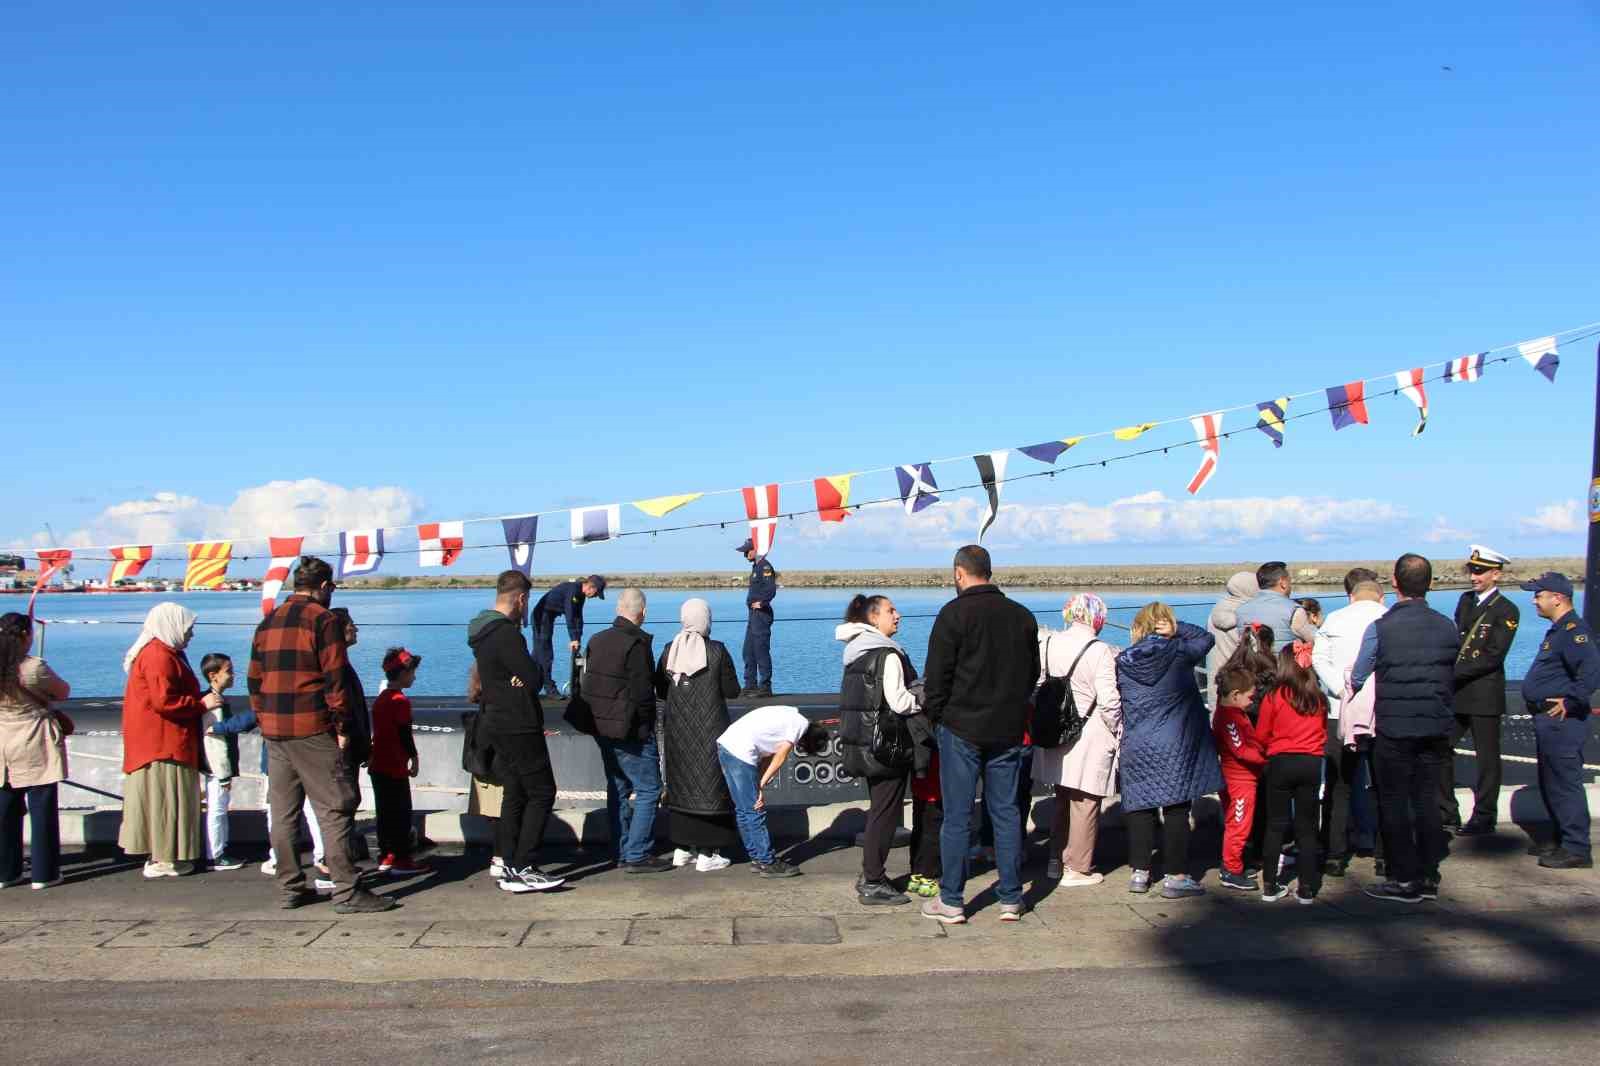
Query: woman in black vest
x=874 y=695
x=696 y=677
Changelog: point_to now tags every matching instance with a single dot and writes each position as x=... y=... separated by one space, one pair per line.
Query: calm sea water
x=432 y=623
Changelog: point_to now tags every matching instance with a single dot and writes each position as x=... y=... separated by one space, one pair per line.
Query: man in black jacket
x=619 y=687
x=513 y=728
x=1412 y=649
x=1487 y=623
x=983 y=660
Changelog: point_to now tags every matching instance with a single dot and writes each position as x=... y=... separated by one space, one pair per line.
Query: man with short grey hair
x=619 y=688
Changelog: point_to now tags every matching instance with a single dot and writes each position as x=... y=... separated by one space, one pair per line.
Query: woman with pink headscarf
x=1082 y=773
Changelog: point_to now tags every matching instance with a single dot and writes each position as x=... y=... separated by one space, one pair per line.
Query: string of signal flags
x=441 y=544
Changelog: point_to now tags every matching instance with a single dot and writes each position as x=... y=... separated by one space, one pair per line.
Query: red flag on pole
x=51 y=561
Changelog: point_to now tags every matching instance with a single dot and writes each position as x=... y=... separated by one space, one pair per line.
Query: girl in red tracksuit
x=1243 y=759
x=1293 y=727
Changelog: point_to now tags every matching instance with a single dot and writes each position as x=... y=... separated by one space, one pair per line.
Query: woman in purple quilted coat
x=1168 y=757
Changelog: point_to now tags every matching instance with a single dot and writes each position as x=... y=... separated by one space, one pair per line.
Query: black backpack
x=1056 y=721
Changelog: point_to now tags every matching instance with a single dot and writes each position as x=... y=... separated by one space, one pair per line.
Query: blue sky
x=426 y=264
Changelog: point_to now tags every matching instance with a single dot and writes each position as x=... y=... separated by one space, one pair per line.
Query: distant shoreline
x=1310 y=574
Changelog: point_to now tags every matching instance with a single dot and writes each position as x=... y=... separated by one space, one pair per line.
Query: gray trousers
x=311 y=768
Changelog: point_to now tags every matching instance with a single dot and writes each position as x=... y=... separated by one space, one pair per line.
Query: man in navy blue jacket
x=1412 y=649
x=563 y=601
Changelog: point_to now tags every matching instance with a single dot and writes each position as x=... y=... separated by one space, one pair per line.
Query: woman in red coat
x=162 y=711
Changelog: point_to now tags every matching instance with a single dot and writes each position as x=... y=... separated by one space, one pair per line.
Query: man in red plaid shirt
x=297 y=691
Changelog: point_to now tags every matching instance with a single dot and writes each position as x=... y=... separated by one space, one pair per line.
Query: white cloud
x=1148 y=518
x=278 y=507
x=1442 y=532
x=1555 y=518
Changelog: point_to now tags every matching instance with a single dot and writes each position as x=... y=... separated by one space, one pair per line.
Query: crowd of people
x=1323 y=736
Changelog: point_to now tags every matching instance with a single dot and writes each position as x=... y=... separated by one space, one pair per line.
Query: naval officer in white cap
x=1487 y=622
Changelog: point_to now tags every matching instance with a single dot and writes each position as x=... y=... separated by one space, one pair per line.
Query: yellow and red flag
x=208 y=564
x=833 y=497
x=127 y=560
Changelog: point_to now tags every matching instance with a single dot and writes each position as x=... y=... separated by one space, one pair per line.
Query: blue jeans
x=960 y=766
x=632 y=766
x=742 y=781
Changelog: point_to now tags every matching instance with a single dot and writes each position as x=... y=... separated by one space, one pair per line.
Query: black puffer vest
x=1417 y=648
x=861 y=701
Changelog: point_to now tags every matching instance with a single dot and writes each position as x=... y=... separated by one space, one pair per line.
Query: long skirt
x=708 y=831
x=161 y=813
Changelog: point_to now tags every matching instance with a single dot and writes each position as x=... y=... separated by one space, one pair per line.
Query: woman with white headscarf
x=1082 y=773
x=162 y=714
x=695 y=676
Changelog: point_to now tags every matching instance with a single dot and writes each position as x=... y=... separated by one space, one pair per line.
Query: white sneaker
x=39 y=886
x=13 y=883
x=153 y=870
x=712 y=860
x=322 y=884
x=270 y=867
x=682 y=857
x=497 y=867
x=530 y=880
x=1073 y=879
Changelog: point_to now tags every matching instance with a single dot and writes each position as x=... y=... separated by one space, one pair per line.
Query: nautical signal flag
x=1466 y=368
x=285 y=550
x=521 y=535
x=1273 y=413
x=1206 y=430
x=918 y=490
x=440 y=543
x=833 y=497
x=1133 y=432
x=51 y=561
x=1050 y=450
x=360 y=551
x=1348 y=404
x=1409 y=382
x=992 y=472
x=658 y=506
x=761 y=508
x=590 y=525
x=127 y=560
x=1541 y=355
x=208 y=564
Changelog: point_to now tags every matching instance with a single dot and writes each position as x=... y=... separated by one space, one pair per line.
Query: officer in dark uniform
x=562 y=601
x=1558 y=688
x=758 y=631
x=1487 y=622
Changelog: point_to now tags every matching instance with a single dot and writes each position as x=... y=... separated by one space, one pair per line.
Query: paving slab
x=680 y=932
x=887 y=928
x=168 y=935
x=8 y=930
x=474 y=935
x=362 y=935
x=578 y=933
x=271 y=934
x=815 y=929
x=66 y=934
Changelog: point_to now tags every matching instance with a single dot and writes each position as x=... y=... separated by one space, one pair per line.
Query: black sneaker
x=364 y=902
x=764 y=692
x=1565 y=860
x=1244 y=882
x=1304 y=898
x=1429 y=888
x=1335 y=867
x=1380 y=868
x=646 y=865
x=1476 y=828
x=747 y=693
x=879 y=894
x=775 y=868
x=1395 y=892
x=1539 y=851
x=303 y=898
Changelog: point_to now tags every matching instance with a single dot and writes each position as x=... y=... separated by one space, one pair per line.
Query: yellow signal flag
x=208 y=564
x=658 y=506
x=1134 y=432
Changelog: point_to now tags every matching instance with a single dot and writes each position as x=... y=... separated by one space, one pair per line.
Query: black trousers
x=522 y=763
x=392 y=795
x=40 y=804
x=1485 y=730
x=1293 y=779
x=927 y=818
x=1408 y=772
x=1341 y=768
x=888 y=798
x=1174 y=838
